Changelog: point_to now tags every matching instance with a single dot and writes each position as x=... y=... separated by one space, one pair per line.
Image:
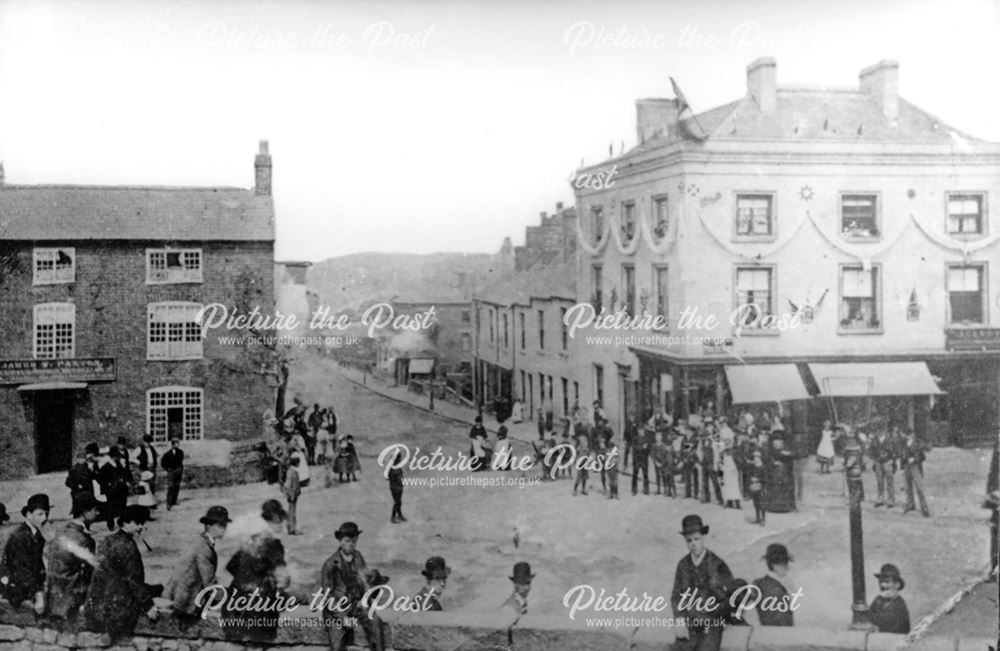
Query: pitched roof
x=63 y=212
x=542 y=281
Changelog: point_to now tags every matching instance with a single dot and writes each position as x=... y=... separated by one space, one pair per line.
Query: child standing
x=583 y=453
x=825 y=452
x=756 y=491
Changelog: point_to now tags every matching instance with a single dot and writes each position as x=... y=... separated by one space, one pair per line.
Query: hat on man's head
x=522 y=573
x=35 y=502
x=135 y=513
x=216 y=515
x=777 y=554
x=890 y=572
x=83 y=502
x=92 y=449
x=375 y=578
x=693 y=524
x=3 y=514
x=347 y=530
x=272 y=511
x=435 y=569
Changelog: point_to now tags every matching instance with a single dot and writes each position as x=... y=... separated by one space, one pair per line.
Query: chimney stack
x=655 y=117
x=762 y=83
x=559 y=205
x=881 y=82
x=262 y=171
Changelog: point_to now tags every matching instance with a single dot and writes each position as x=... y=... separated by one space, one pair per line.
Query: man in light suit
x=197 y=567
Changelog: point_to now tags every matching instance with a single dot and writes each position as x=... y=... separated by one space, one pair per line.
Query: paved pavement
x=629 y=543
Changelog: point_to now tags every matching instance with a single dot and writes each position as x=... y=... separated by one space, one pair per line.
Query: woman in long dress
x=730 y=481
x=825 y=453
x=780 y=490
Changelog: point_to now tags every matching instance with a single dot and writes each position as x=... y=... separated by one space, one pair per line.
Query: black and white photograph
x=475 y=325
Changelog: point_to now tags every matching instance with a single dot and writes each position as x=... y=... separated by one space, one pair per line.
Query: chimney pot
x=762 y=83
x=262 y=170
x=559 y=206
x=881 y=82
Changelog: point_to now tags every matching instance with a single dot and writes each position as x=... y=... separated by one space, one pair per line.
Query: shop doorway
x=53 y=431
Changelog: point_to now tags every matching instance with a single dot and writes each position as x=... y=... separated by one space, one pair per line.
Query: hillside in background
x=356 y=281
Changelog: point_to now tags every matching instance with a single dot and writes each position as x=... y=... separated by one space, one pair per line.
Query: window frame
x=564 y=329
x=596 y=223
x=772 y=198
x=53 y=307
x=984 y=276
x=628 y=208
x=984 y=214
x=55 y=280
x=656 y=268
x=877 y=296
x=630 y=291
x=878 y=215
x=541 y=329
x=166 y=344
x=654 y=222
x=194 y=278
x=186 y=390
x=772 y=269
x=597 y=287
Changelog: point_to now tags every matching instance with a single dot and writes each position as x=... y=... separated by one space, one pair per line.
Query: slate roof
x=64 y=212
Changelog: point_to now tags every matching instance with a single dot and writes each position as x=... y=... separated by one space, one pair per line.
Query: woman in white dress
x=825 y=452
x=730 y=481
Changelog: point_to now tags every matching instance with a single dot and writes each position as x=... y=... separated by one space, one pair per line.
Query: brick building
x=101 y=288
x=870 y=221
x=553 y=239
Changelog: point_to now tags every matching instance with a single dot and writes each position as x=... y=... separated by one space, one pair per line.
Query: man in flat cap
x=702 y=578
x=343 y=574
x=22 y=570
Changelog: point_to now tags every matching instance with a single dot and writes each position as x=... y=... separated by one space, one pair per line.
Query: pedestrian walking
x=173 y=463
x=913 y=456
x=197 y=567
x=70 y=560
x=343 y=575
x=772 y=587
x=291 y=488
x=118 y=592
x=395 y=477
x=22 y=567
x=884 y=453
x=709 y=472
x=641 y=445
x=702 y=573
x=888 y=610
x=517 y=603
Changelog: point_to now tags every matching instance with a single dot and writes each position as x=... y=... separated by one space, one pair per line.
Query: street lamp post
x=860 y=617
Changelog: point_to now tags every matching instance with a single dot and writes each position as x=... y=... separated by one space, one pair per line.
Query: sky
x=433 y=125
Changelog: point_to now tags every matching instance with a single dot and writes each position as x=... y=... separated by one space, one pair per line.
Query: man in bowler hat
x=700 y=574
x=197 y=568
x=517 y=603
x=82 y=475
x=888 y=610
x=436 y=571
x=772 y=587
x=343 y=575
x=22 y=570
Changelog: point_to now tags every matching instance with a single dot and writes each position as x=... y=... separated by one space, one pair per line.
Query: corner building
x=871 y=221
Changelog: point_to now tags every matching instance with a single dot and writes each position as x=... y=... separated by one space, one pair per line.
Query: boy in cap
x=436 y=571
x=197 y=568
x=517 y=603
x=70 y=560
x=888 y=610
x=22 y=570
x=772 y=588
x=700 y=574
x=343 y=575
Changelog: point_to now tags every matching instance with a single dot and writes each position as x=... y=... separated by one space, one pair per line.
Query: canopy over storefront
x=53 y=386
x=876 y=379
x=421 y=366
x=751 y=383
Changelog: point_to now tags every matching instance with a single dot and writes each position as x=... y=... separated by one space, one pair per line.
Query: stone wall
x=19 y=631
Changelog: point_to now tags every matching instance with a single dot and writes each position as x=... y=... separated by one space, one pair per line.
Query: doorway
x=53 y=431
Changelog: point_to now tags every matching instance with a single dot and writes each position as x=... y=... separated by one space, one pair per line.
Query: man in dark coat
x=436 y=571
x=641 y=444
x=82 y=475
x=114 y=478
x=148 y=462
x=780 y=487
x=913 y=455
x=343 y=574
x=888 y=610
x=118 y=592
x=993 y=504
x=884 y=451
x=395 y=476
x=709 y=472
x=700 y=574
x=173 y=463
x=22 y=570
x=197 y=568
x=70 y=560
x=772 y=589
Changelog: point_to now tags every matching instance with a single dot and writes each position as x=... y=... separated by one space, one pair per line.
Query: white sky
x=453 y=137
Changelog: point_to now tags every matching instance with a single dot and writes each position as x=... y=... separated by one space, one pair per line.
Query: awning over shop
x=765 y=383
x=885 y=379
x=52 y=386
x=421 y=366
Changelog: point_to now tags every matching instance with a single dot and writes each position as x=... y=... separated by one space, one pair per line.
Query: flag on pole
x=686 y=120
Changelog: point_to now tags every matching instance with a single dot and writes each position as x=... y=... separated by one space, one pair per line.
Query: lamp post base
x=861 y=619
